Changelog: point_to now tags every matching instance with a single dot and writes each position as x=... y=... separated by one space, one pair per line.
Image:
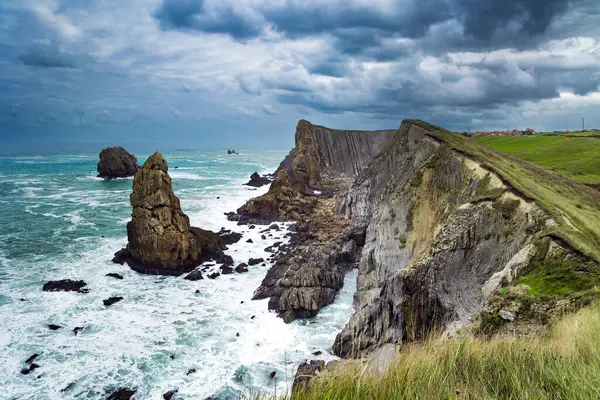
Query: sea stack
x=116 y=162
x=160 y=239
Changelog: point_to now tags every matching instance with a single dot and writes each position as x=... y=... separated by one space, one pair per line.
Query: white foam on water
x=130 y=343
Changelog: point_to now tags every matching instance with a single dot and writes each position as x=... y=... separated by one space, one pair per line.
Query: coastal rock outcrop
x=436 y=223
x=256 y=180
x=116 y=162
x=160 y=238
x=323 y=162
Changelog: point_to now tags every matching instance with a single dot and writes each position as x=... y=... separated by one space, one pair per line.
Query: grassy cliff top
x=576 y=157
x=575 y=207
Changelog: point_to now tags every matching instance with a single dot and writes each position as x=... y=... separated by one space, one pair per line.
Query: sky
x=208 y=74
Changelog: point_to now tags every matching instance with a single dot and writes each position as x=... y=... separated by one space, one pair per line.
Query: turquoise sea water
x=59 y=221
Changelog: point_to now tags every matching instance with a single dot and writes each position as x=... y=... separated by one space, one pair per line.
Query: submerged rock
x=160 y=238
x=65 y=285
x=54 y=327
x=116 y=162
x=115 y=275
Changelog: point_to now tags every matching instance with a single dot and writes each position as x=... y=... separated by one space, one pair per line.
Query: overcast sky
x=240 y=73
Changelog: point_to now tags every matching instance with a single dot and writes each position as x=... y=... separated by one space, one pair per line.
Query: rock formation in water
x=230 y=151
x=116 y=162
x=256 y=180
x=160 y=239
x=434 y=222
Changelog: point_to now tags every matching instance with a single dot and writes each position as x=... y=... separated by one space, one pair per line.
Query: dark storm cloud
x=194 y=15
x=360 y=29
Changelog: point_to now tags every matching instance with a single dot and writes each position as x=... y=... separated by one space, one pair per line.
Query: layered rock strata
x=323 y=162
x=160 y=238
x=435 y=233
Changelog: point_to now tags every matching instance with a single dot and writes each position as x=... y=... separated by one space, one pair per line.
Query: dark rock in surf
x=214 y=275
x=257 y=181
x=31 y=358
x=225 y=270
x=195 y=275
x=32 y=367
x=114 y=275
x=54 y=327
x=65 y=285
x=111 y=300
x=160 y=238
x=77 y=329
x=122 y=394
x=191 y=371
x=241 y=268
x=255 y=261
x=169 y=394
x=116 y=162
x=68 y=387
x=229 y=237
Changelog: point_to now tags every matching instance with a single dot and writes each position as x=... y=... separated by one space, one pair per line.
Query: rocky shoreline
x=433 y=232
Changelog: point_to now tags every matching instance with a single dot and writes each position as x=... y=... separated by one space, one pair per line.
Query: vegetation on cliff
x=575 y=207
x=564 y=364
x=577 y=158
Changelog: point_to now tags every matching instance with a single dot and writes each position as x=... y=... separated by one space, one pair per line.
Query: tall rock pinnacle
x=160 y=239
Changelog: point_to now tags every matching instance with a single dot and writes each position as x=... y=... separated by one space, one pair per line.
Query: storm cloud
x=202 y=65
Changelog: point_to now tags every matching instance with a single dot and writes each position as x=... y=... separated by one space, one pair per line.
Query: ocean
x=60 y=221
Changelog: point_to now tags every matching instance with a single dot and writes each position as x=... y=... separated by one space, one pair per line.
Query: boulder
x=195 y=275
x=225 y=270
x=305 y=373
x=115 y=275
x=255 y=261
x=169 y=394
x=243 y=267
x=160 y=238
x=54 y=327
x=257 y=181
x=112 y=300
x=65 y=285
x=229 y=237
x=116 y=162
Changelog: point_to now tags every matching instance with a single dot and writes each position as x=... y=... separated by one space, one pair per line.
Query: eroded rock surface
x=116 y=162
x=160 y=238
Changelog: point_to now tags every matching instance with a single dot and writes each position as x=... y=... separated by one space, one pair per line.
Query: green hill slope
x=577 y=158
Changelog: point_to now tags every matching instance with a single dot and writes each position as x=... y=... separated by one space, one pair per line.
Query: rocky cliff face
x=323 y=162
x=116 y=162
x=160 y=238
x=435 y=233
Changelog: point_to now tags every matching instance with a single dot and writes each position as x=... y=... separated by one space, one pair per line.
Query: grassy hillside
x=575 y=207
x=577 y=158
x=565 y=364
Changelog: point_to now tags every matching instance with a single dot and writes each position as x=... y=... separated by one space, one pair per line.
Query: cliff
x=447 y=234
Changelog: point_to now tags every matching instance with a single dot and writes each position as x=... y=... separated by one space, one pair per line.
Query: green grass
x=575 y=207
x=571 y=134
x=564 y=364
x=577 y=157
